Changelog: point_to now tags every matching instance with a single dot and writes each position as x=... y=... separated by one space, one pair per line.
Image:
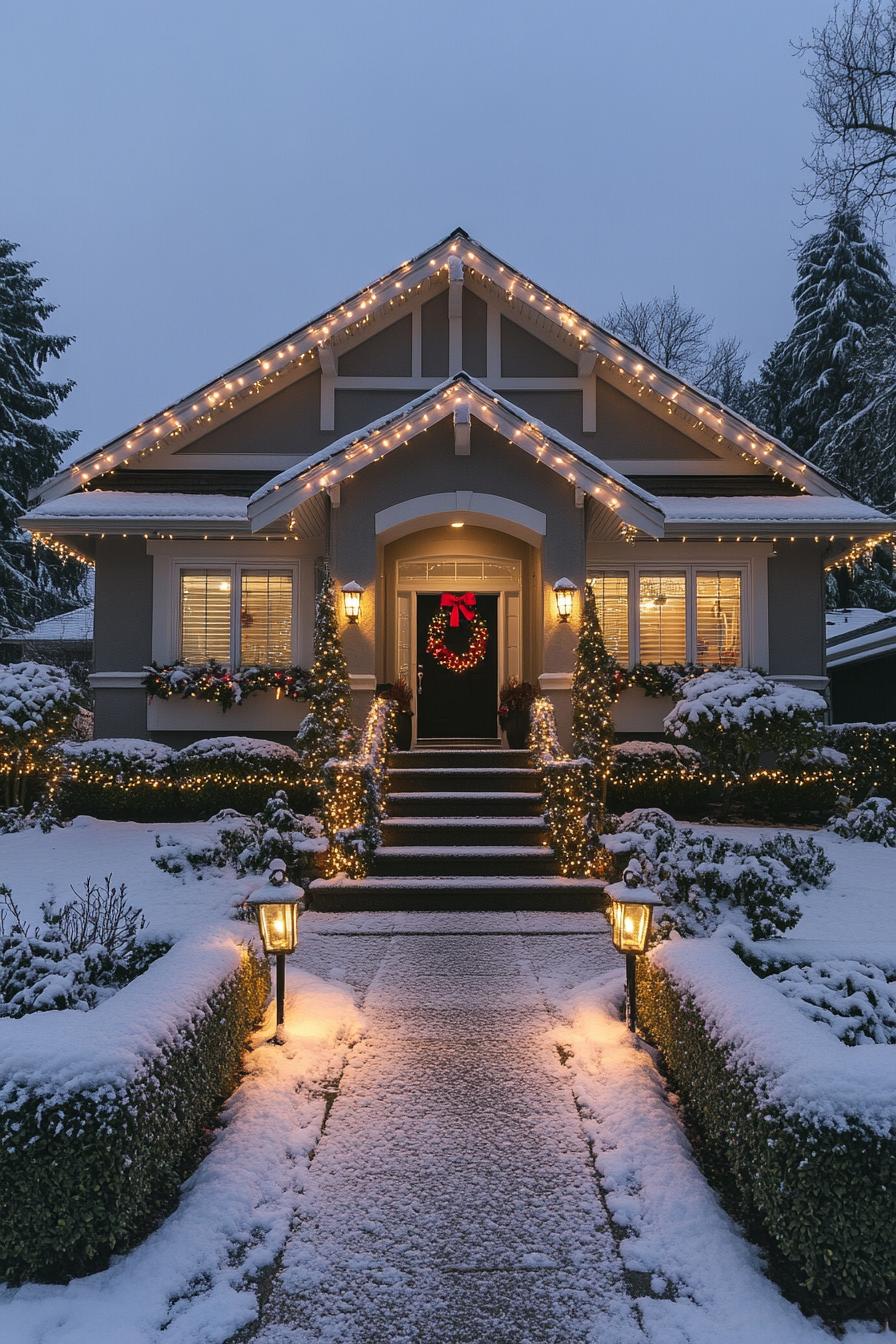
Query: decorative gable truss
x=461 y=398
x=456 y=262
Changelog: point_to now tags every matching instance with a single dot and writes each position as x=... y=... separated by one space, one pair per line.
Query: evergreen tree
x=593 y=694
x=34 y=582
x=842 y=298
x=328 y=730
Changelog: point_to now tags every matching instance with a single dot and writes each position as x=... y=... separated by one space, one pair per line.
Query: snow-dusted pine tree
x=328 y=729
x=593 y=693
x=843 y=298
x=34 y=582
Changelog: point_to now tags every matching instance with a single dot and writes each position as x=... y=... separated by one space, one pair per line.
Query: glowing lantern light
x=564 y=592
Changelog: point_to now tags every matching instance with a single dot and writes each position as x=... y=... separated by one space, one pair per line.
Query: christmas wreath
x=453 y=607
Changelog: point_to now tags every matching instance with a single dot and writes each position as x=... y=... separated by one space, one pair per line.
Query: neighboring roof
x=133 y=506
x=858 y=634
x=71 y=626
x=462 y=397
x=799 y=513
x=458 y=251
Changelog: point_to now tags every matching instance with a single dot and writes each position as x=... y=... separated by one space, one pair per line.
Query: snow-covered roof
x=266 y=372
x=120 y=507
x=800 y=513
x=75 y=626
x=461 y=397
x=856 y=634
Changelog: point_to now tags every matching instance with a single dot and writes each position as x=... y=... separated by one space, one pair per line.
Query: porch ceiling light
x=351 y=601
x=564 y=592
x=458 y=524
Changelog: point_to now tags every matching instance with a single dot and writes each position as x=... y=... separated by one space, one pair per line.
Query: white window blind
x=611 y=594
x=205 y=604
x=265 y=617
x=662 y=617
x=718 y=619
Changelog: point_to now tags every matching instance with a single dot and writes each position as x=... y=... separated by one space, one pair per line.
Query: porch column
x=563 y=556
x=353 y=555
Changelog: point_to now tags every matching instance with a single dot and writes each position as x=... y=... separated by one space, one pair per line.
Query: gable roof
x=261 y=374
x=460 y=397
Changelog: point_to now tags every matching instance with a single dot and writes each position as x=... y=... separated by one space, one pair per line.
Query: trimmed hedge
x=871 y=748
x=797 y=1130
x=134 y=780
x=658 y=774
x=103 y=1114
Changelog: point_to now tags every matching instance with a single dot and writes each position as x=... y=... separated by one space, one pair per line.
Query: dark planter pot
x=516 y=726
x=403 y=731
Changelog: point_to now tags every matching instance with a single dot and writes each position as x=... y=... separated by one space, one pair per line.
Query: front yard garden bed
x=102 y=1113
x=795 y=1127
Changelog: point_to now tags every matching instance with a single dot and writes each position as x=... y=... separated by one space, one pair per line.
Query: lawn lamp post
x=631 y=915
x=276 y=906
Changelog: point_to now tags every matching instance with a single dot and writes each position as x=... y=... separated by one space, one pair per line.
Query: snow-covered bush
x=856 y=999
x=37 y=703
x=114 y=777
x=102 y=1115
x=706 y=879
x=659 y=774
x=797 y=1130
x=740 y=720
x=83 y=951
x=874 y=821
x=218 y=772
x=250 y=844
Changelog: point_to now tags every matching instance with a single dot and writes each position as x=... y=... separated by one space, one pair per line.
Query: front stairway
x=463 y=830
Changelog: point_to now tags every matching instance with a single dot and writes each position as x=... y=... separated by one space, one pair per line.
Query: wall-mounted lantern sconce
x=564 y=592
x=351 y=601
x=631 y=917
x=276 y=906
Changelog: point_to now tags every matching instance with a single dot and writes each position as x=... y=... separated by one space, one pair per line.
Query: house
x=466 y=450
x=861 y=661
x=64 y=639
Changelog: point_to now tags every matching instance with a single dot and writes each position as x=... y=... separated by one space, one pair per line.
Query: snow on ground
x=191 y=1281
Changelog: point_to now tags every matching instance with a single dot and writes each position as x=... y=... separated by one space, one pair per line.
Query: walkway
x=453 y=1198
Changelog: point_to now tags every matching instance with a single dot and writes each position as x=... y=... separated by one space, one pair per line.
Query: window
x=662 y=618
x=718 y=619
x=205 y=603
x=236 y=616
x=266 y=617
x=684 y=615
x=611 y=593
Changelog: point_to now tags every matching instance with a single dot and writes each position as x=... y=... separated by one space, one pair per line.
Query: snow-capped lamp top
x=276 y=904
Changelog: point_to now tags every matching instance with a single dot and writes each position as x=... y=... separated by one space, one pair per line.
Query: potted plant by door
x=401 y=694
x=513 y=711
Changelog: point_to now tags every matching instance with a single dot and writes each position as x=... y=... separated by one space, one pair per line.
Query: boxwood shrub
x=131 y=779
x=871 y=748
x=795 y=1128
x=658 y=774
x=104 y=1113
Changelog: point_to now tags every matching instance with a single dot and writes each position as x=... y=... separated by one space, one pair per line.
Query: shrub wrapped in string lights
x=37 y=706
x=566 y=783
x=871 y=748
x=354 y=794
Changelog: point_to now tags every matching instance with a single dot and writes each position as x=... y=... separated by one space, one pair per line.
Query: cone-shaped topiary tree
x=328 y=729
x=593 y=694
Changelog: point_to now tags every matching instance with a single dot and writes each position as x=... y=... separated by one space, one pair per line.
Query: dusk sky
x=195 y=180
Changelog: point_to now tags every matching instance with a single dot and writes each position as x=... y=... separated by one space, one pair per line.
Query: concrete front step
x=451 y=860
x=439 y=757
x=446 y=803
x=403 y=779
x=454 y=832
x=457 y=893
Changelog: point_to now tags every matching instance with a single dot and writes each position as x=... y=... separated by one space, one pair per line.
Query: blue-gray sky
x=196 y=179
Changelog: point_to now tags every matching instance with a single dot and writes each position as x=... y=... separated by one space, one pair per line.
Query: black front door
x=453 y=703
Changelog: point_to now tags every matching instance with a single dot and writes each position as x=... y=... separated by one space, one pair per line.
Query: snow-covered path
x=453 y=1196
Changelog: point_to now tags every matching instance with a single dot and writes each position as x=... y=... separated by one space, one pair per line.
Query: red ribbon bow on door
x=461 y=604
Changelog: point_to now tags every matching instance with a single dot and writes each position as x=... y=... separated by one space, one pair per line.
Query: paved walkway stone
x=452 y=1198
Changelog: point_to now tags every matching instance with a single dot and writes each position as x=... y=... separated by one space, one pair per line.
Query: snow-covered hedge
x=874 y=821
x=146 y=781
x=706 y=879
x=797 y=1128
x=739 y=718
x=871 y=749
x=659 y=774
x=103 y=1113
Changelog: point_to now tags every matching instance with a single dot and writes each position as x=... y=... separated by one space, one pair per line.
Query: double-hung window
x=686 y=613
x=237 y=614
